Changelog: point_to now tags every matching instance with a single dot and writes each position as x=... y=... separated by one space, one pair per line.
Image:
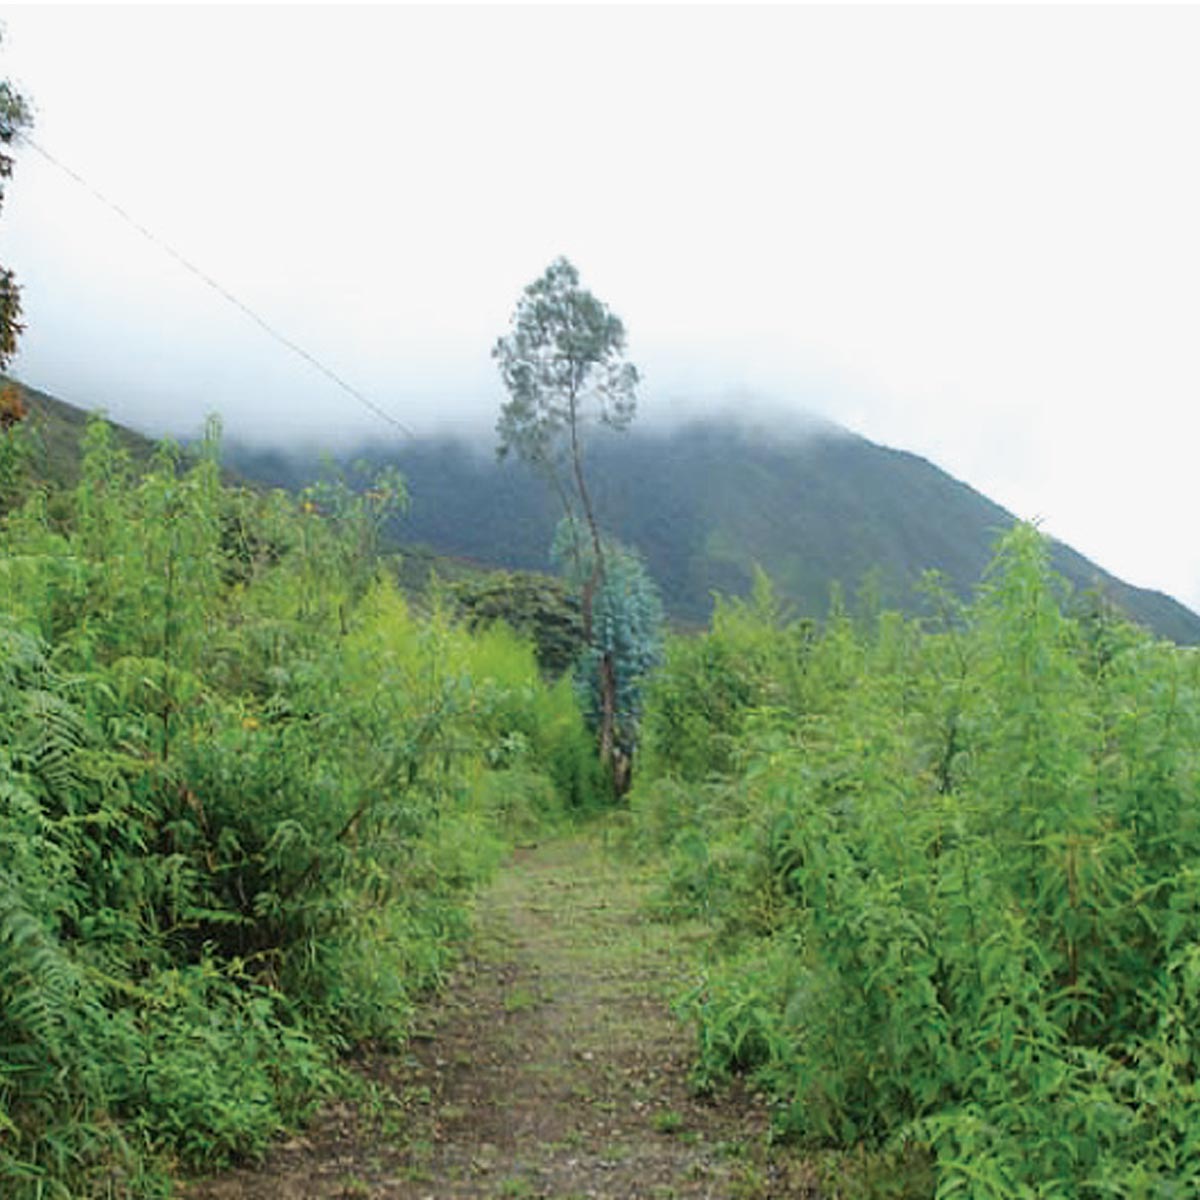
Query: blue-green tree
x=626 y=636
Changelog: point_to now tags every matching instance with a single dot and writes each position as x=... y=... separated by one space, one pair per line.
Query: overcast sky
x=970 y=233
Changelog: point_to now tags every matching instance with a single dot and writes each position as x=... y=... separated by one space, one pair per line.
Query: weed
x=521 y=1000
x=668 y=1121
x=514 y=1188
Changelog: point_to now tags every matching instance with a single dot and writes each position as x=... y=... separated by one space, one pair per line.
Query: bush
x=244 y=797
x=955 y=876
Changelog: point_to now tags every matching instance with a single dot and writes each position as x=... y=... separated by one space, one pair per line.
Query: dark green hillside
x=59 y=426
x=703 y=502
x=707 y=501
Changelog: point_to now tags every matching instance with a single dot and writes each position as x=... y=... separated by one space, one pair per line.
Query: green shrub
x=953 y=876
x=700 y=700
x=244 y=797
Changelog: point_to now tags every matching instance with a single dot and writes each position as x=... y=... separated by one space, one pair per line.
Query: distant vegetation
x=707 y=502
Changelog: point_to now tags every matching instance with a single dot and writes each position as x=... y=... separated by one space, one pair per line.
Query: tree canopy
x=562 y=361
x=14 y=116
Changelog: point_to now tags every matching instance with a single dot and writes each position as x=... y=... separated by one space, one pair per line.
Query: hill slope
x=704 y=503
x=59 y=427
x=708 y=500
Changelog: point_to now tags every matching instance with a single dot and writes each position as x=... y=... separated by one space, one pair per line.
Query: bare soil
x=551 y=1067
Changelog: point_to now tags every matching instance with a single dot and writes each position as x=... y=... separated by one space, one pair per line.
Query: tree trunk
x=608 y=711
x=608 y=675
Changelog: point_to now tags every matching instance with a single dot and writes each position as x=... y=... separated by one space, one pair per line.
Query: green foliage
x=15 y=116
x=953 y=867
x=627 y=627
x=244 y=795
x=537 y=606
x=711 y=684
x=55 y=448
x=18 y=444
x=563 y=356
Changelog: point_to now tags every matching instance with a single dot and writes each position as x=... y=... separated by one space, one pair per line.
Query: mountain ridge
x=705 y=502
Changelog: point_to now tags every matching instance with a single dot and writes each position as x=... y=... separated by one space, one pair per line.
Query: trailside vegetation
x=954 y=864
x=245 y=793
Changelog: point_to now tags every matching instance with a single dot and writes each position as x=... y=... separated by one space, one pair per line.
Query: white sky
x=971 y=233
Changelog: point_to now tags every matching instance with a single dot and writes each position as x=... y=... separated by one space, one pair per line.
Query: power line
x=224 y=292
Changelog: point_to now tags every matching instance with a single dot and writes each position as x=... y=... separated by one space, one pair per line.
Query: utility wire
x=224 y=292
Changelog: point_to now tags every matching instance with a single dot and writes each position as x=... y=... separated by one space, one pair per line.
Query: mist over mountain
x=708 y=499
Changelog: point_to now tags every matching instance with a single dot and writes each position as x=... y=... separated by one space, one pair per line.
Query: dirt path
x=551 y=1068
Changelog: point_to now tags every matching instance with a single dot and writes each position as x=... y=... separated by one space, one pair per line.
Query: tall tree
x=14 y=116
x=563 y=363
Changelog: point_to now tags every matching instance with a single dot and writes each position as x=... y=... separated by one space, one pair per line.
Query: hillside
x=707 y=501
x=703 y=502
x=59 y=426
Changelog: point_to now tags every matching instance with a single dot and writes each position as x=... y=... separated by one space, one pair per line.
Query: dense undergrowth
x=246 y=791
x=955 y=864
x=244 y=795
